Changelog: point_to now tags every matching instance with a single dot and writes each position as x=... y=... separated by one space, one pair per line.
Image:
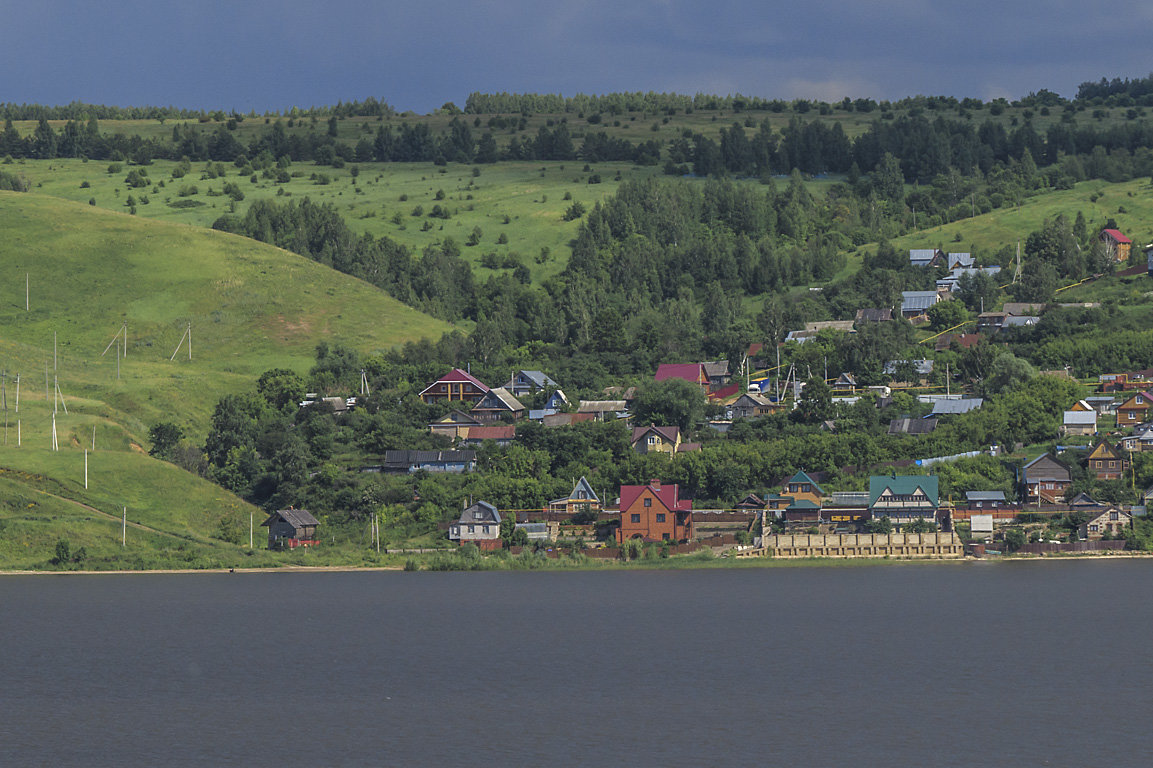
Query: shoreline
x=672 y=564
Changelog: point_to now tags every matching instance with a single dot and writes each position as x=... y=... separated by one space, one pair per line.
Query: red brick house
x=654 y=512
x=455 y=385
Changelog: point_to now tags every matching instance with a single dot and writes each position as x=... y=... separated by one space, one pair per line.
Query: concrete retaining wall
x=866 y=545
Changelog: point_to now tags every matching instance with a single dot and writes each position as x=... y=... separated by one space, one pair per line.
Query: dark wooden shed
x=291 y=528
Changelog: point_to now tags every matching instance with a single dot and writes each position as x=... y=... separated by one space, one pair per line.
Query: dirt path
x=114 y=518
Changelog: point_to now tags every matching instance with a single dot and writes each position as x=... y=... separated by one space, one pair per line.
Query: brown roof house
x=496 y=404
x=291 y=528
x=455 y=385
x=656 y=439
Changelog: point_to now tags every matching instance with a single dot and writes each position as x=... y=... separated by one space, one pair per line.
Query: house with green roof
x=801 y=487
x=904 y=498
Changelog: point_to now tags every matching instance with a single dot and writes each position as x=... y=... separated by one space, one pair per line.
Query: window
x=443 y=387
x=485 y=529
x=648 y=502
x=1093 y=528
x=582 y=495
x=1114 y=516
x=652 y=439
x=472 y=529
x=634 y=518
x=660 y=517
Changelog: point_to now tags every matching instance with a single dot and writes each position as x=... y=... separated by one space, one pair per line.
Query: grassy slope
x=252 y=307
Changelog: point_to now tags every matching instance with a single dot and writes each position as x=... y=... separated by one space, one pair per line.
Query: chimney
x=656 y=484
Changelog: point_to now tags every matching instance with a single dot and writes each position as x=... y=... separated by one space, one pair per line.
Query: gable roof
x=602 y=406
x=903 y=485
x=1080 y=418
x=457 y=376
x=869 y=315
x=756 y=399
x=667 y=495
x=670 y=434
x=715 y=368
x=297 y=518
x=492 y=432
x=913 y=301
x=985 y=495
x=1046 y=467
x=912 y=426
x=693 y=372
x=1103 y=450
x=498 y=398
x=1116 y=235
x=455 y=417
x=963 y=405
x=803 y=477
x=581 y=485
x=1139 y=400
x=539 y=379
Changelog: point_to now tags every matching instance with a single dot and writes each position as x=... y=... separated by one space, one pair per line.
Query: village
x=901 y=514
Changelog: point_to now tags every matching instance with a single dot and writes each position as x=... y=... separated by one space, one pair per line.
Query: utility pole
x=124 y=528
x=86 y=469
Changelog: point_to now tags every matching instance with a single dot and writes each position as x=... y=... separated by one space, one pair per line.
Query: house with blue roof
x=582 y=498
x=527 y=382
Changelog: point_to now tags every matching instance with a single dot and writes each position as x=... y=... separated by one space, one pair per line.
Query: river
x=1000 y=664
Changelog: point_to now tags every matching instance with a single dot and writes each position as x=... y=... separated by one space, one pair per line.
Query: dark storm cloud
x=418 y=55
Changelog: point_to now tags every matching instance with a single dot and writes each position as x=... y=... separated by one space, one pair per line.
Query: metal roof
x=963 y=405
x=985 y=495
x=1084 y=418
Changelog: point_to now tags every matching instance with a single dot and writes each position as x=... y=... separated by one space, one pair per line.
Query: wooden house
x=751 y=405
x=904 y=498
x=1079 y=422
x=501 y=434
x=1116 y=244
x=654 y=512
x=1107 y=463
x=497 y=404
x=717 y=372
x=1111 y=522
x=478 y=524
x=750 y=503
x=291 y=528
x=1135 y=410
x=846 y=383
x=1045 y=479
x=581 y=498
x=454 y=385
x=800 y=487
x=926 y=257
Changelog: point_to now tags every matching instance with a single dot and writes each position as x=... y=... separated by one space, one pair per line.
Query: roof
x=671 y=434
x=1080 y=418
x=297 y=518
x=757 y=399
x=688 y=371
x=960 y=260
x=1046 y=473
x=668 y=495
x=455 y=417
x=488 y=513
x=802 y=477
x=921 y=256
x=1020 y=321
x=846 y=378
x=716 y=368
x=917 y=300
x=874 y=315
x=964 y=405
x=492 y=432
x=581 y=485
x=912 y=426
x=803 y=504
x=688 y=447
x=1021 y=308
x=1116 y=235
x=903 y=485
x=498 y=398
x=985 y=495
x=456 y=375
x=539 y=379
x=408 y=458
x=800 y=336
x=830 y=325
x=601 y=406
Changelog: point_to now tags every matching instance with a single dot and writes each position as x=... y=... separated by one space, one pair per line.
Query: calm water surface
x=1013 y=664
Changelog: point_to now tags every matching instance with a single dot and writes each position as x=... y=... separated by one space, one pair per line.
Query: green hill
x=251 y=307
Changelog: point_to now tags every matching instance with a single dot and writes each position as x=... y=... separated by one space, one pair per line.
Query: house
x=985 y=499
x=454 y=385
x=904 y=498
x=399 y=462
x=691 y=372
x=962 y=340
x=1020 y=321
x=526 y=382
x=909 y=426
x=846 y=382
x=654 y=512
x=925 y=257
x=291 y=528
x=954 y=407
x=800 y=487
x=581 y=498
x=1083 y=502
x=717 y=372
x=1135 y=410
x=751 y=405
x=654 y=439
x=497 y=404
x=915 y=304
x=872 y=316
x=990 y=322
x=1079 y=422
x=1116 y=244
x=1021 y=308
x=846 y=507
x=502 y=434
x=478 y=524
x=556 y=401
x=453 y=425
x=842 y=326
x=751 y=502
x=1111 y=522
x=959 y=261
x=981 y=527
x=1107 y=463
x=1080 y=405
x=1103 y=405
x=1045 y=479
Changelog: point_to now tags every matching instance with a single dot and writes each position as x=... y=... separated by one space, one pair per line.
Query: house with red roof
x=455 y=385
x=502 y=434
x=692 y=372
x=1116 y=244
x=654 y=512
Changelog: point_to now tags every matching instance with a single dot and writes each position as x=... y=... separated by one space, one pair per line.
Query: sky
x=246 y=55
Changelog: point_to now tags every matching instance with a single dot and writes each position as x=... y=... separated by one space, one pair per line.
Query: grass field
x=252 y=307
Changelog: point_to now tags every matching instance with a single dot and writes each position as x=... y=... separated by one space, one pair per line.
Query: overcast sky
x=418 y=55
